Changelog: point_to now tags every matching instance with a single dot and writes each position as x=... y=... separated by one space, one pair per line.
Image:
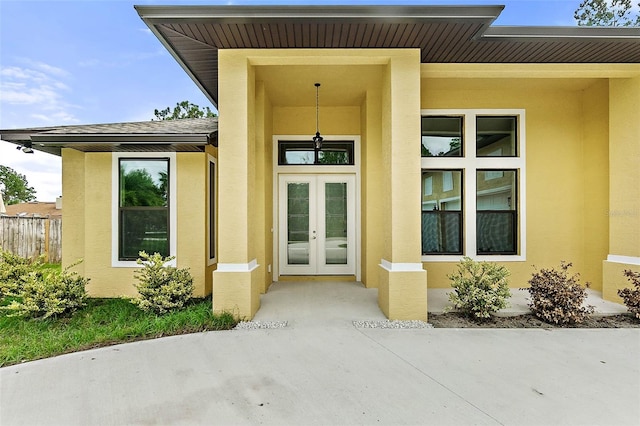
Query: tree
x=15 y=188
x=184 y=109
x=141 y=190
x=607 y=13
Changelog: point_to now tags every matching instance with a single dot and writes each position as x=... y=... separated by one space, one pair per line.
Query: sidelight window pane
x=298 y=223
x=442 y=212
x=336 y=223
x=496 y=216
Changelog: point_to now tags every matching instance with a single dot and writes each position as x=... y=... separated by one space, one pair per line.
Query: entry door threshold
x=317 y=278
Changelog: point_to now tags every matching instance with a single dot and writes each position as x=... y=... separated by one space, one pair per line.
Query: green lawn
x=102 y=322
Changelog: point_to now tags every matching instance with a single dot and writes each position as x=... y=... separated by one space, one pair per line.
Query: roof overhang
x=179 y=136
x=444 y=34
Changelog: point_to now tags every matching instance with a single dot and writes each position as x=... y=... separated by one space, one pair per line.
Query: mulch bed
x=458 y=320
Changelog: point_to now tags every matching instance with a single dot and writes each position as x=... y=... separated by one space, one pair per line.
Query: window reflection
x=441 y=136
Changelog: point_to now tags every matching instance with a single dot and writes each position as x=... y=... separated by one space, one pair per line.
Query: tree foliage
x=139 y=189
x=184 y=109
x=15 y=188
x=608 y=13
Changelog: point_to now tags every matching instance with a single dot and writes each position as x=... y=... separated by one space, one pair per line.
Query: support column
x=402 y=292
x=624 y=185
x=235 y=281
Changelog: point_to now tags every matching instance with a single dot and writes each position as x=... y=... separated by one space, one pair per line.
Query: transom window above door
x=300 y=153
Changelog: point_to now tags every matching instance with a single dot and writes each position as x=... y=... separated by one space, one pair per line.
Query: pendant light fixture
x=317 y=139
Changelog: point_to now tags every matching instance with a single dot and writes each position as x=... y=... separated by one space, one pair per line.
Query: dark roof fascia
x=20 y=136
x=511 y=33
x=52 y=143
x=118 y=138
x=156 y=14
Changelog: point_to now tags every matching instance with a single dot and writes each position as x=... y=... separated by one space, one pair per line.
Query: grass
x=102 y=322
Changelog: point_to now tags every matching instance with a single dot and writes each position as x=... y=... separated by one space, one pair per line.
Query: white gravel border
x=258 y=325
x=396 y=324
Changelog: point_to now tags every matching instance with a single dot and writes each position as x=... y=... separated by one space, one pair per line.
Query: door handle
x=314 y=235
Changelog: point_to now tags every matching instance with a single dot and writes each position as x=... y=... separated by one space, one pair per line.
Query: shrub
x=47 y=293
x=480 y=288
x=631 y=297
x=557 y=297
x=12 y=270
x=161 y=288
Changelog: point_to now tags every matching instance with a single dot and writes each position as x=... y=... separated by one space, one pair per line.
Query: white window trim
x=115 y=202
x=212 y=260
x=314 y=169
x=469 y=164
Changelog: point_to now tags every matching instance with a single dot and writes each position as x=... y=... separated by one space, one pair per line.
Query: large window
x=473 y=174
x=144 y=207
x=442 y=212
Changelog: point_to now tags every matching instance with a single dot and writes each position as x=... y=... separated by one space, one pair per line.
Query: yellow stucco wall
x=192 y=218
x=372 y=182
x=236 y=281
x=596 y=180
x=572 y=143
x=566 y=166
x=340 y=120
x=87 y=183
x=73 y=179
x=624 y=185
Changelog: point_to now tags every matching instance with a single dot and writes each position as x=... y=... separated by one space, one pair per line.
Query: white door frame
x=311 y=169
x=317 y=243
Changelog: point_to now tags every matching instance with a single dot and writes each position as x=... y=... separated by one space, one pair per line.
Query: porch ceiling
x=341 y=86
x=445 y=34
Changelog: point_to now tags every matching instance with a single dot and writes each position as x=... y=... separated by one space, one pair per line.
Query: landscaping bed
x=459 y=320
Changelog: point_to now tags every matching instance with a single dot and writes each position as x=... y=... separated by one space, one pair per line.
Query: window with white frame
x=473 y=174
x=143 y=206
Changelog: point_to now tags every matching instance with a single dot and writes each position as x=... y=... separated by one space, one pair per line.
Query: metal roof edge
x=248 y=12
x=120 y=138
x=553 y=32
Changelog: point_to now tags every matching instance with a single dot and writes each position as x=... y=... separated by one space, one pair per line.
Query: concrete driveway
x=321 y=369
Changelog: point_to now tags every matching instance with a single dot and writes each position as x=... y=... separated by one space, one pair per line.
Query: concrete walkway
x=320 y=369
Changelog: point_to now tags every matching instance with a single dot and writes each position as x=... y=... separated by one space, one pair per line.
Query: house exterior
x=442 y=136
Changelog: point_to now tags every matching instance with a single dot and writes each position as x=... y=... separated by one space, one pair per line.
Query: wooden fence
x=32 y=237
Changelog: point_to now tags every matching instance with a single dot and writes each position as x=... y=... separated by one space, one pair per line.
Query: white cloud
x=43 y=171
x=124 y=59
x=39 y=91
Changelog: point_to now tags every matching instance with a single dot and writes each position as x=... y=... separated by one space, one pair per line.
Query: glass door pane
x=298 y=223
x=335 y=244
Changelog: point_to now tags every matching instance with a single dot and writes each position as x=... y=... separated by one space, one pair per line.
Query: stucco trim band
x=400 y=267
x=238 y=267
x=630 y=260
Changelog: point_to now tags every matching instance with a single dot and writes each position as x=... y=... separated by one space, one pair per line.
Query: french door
x=317 y=224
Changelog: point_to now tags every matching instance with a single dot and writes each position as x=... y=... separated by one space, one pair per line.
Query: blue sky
x=85 y=62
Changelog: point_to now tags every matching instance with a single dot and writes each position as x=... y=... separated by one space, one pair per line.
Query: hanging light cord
x=317 y=109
